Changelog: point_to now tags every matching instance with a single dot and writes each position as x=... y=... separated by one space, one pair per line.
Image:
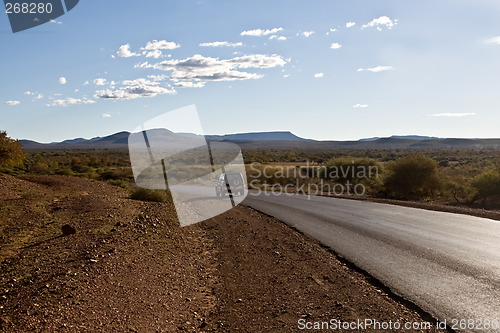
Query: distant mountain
x=120 y=140
x=29 y=144
x=407 y=137
x=114 y=141
x=272 y=140
x=259 y=136
x=73 y=140
x=379 y=144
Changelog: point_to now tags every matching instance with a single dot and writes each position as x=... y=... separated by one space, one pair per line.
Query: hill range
x=279 y=140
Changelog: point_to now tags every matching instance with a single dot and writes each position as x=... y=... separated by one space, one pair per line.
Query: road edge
x=375 y=282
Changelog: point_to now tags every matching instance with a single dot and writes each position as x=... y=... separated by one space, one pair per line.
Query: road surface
x=448 y=264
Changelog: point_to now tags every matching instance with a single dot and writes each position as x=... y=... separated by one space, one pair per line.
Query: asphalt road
x=448 y=264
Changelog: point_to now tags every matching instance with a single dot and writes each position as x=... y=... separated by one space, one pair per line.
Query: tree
x=413 y=177
x=487 y=185
x=11 y=151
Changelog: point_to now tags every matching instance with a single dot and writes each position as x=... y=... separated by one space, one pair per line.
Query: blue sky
x=327 y=70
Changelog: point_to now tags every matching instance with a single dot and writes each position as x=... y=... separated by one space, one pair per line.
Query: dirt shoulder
x=271 y=277
x=129 y=267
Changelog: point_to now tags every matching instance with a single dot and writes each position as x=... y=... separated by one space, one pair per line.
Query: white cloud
x=157 y=78
x=154 y=54
x=105 y=115
x=350 y=24
x=133 y=89
x=143 y=65
x=140 y=82
x=335 y=46
x=286 y=75
x=331 y=30
x=62 y=80
x=183 y=84
x=200 y=68
x=257 y=61
x=453 y=114
x=86 y=83
x=100 y=82
x=56 y=22
x=319 y=75
x=493 y=41
x=160 y=45
x=307 y=33
x=381 y=21
x=35 y=94
x=360 y=106
x=153 y=48
x=260 y=32
x=221 y=44
x=12 y=103
x=377 y=69
x=65 y=102
x=278 y=37
x=133 y=92
x=88 y=101
x=124 y=52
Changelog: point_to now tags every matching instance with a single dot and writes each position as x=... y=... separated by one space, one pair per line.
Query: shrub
x=364 y=171
x=109 y=175
x=11 y=152
x=487 y=185
x=413 y=177
x=39 y=167
x=143 y=194
x=80 y=168
x=457 y=190
x=64 y=172
x=120 y=183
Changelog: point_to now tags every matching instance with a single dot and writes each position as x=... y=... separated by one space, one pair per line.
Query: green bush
x=120 y=183
x=40 y=168
x=460 y=192
x=143 y=194
x=11 y=152
x=487 y=185
x=413 y=178
x=80 y=168
x=7 y=171
x=109 y=175
x=64 y=172
x=354 y=170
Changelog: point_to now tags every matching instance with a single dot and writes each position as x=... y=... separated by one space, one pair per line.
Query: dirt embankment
x=129 y=267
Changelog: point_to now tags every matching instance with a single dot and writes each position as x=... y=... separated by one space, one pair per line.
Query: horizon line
x=279 y=131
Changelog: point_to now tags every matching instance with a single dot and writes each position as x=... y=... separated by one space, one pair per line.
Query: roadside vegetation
x=143 y=194
x=456 y=177
x=412 y=178
x=11 y=152
x=452 y=177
